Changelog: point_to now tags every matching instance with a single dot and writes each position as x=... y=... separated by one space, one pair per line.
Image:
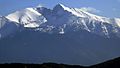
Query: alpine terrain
x=59 y=35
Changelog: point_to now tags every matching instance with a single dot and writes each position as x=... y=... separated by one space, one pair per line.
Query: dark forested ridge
x=115 y=63
x=44 y=65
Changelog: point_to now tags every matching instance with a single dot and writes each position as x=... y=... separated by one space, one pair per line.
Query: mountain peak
x=61 y=6
x=69 y=31
x=28 y=17
x=60 y=15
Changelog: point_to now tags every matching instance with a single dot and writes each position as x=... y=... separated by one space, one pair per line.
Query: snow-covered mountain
x=62 y=17
x=7 y=27
x=28 y=18
x=62 y=34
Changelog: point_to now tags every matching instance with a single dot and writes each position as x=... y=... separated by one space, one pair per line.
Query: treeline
x=115 y=63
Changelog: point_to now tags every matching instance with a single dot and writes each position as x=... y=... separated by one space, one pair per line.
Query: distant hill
x=44 y=65
x=115 y=63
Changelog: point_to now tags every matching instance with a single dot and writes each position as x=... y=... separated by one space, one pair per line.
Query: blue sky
x=108 y=8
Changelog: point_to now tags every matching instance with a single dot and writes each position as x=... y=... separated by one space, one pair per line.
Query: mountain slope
x=114 y=63
x=62 y=16
x=71 y=48
x=7 y=27
x=27 y=17
x=62 y=34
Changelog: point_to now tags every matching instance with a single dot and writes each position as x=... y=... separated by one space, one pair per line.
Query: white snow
x=31 y=25
x=32 y=10
x=28 y=17
x=82 y=13
x=117 y=20
x=31 y=18
x=61 y=31
x=84 y=19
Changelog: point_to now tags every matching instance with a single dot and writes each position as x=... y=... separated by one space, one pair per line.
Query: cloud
x=40 y=5
x=90 y=9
